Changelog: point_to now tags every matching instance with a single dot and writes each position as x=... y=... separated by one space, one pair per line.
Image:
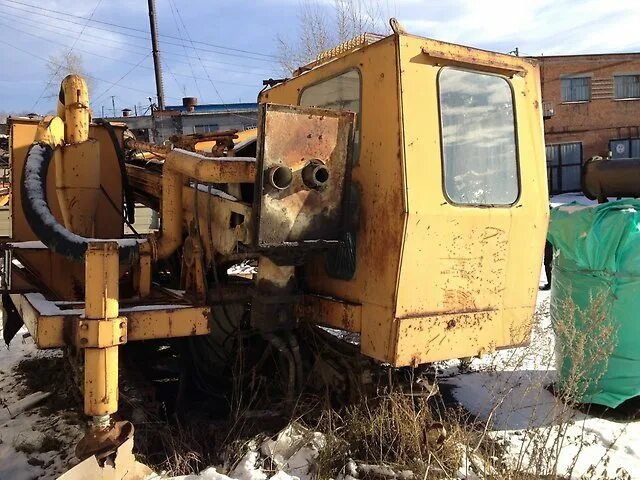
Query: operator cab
x=448 y=203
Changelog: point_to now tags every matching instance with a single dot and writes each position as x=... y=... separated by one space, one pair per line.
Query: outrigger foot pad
x=102 y=442
x=108 y=455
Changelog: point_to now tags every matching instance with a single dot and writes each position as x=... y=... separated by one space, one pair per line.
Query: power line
x=205 y=70
x=128 y=46
x=268 y=57
x=125 y=62
x=127 y=87
x=175 y=20
x=121 y=78
x=40 y=24
x=55 y=73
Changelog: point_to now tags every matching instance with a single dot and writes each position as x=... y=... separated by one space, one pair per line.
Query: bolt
x=121 y=339
x=84 y=326
x=122 y=324
x=84 y=341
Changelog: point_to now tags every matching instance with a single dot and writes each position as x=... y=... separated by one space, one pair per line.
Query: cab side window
x=341 y=92
x=479 y=153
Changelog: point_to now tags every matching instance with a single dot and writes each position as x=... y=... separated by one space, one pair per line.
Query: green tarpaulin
x=595 y=300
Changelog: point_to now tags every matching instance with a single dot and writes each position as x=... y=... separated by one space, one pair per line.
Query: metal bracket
x=100 y=333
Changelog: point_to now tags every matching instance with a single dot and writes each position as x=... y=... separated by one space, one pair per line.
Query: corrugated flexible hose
x=43 y=223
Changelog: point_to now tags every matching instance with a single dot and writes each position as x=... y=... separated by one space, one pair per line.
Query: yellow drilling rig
x=395 y=188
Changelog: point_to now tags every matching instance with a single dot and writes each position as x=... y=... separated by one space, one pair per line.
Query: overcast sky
x=119 y=59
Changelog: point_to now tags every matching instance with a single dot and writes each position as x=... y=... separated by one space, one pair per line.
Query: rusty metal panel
x=429 y=339
x=304 y=169
x=331 y=312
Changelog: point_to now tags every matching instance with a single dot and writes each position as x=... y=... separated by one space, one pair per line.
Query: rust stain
x=295 y=137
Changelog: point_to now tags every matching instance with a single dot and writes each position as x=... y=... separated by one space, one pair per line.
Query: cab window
x=479 y=151
x=341 y=92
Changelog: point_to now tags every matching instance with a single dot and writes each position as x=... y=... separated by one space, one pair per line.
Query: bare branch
x=323 y=25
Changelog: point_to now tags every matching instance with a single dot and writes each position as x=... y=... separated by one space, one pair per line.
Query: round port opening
x=321 y=175
x=280 y=177
x=315 y=175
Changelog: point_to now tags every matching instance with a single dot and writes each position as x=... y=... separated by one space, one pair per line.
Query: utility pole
x=113 y=104
x=102 y=111
x=156 y=53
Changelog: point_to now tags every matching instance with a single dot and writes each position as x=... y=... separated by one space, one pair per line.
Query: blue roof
x=216 y=107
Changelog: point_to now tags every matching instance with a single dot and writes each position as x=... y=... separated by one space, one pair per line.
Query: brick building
x=591 y=107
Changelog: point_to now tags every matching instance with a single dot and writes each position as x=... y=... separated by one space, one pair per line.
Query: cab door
x=476 y=201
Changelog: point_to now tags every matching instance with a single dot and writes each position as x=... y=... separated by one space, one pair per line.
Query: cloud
x=536 y=26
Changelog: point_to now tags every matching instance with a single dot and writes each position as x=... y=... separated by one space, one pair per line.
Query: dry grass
x=398 y=430
x=404 y=430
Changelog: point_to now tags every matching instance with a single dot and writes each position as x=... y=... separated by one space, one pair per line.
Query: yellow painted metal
x=178 y=166
x=75 y=112
x=210 y=169
x=101 y=304
x=52 y=327
x=168 y=323
x=51 y=131
x=100 y=381
x=47 y=331
x=244 y=135
x=107 y=219
x=434 y=280
x=483 y=264
x=378 y=173
x=100 y=333
x=78 y=185
x=215 y=213
x=144 y=275
x=78 y=160
x=331 y=312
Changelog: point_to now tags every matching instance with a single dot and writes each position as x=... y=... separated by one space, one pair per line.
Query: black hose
x=281 y=346
x=297 y=357
x=128 y=192
x=39 y=217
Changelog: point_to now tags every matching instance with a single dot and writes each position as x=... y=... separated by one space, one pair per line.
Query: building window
x=576 y=89
x=205 y=128
x=564 y=167
x=479 y=155
x=627 y=86
x=341 y=92
x=625 y=148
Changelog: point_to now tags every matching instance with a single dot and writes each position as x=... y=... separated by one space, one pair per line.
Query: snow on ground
x=291 y=454
x=508 y=389
x=540 y=433
x=34 y=444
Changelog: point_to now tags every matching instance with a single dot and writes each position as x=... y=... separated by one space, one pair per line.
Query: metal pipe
x=280 y=177
x=73 y=108
x=295 y=349
x=281 y=346
x=315 y=175
x=180 y=165
x=133 y=144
